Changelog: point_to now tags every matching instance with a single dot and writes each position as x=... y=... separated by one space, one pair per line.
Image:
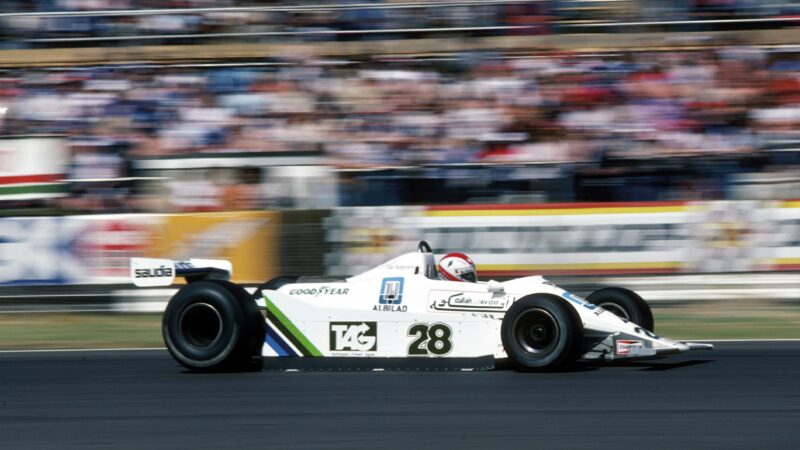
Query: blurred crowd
x=349 y=23
x=592 y=112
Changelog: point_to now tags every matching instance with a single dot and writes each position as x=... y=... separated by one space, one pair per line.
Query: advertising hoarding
x=97 y=249
x=508 y=240
x=32 y=167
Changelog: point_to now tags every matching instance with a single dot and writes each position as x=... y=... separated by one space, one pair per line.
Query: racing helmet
x=457 y=267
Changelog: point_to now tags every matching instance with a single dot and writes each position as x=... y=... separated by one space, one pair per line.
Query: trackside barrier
x=97 y=249
x=598 y=239
x=578 y=238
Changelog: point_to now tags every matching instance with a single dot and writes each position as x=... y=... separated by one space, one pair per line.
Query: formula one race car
x=399 y=314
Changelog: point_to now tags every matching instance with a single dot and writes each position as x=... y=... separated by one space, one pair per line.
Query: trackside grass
x=694 y=321
x=79 y=330
x=729 y=320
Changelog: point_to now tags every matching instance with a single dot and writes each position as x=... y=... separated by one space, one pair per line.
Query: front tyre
x=624 y=303
x=541 y=332
x=214 y=326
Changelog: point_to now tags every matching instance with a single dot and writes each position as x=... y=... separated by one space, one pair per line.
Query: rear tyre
x=541 y=332
x=624 y=303
x=214 y=325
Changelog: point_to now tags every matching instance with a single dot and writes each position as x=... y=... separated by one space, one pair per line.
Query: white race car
x=399 y=314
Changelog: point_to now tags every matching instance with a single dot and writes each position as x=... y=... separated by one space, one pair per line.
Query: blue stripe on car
x=277 y=343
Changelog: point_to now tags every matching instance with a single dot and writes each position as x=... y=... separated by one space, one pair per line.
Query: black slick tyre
x=541 y=332
x=214 y=325
x=624 y=303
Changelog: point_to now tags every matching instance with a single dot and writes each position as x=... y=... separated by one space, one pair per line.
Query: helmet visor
x=469 y=276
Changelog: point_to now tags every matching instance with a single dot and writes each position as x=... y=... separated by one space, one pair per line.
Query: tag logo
x=354 y=336
x=391 y=291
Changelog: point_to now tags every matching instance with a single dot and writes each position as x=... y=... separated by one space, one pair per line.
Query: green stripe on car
x=290 y=330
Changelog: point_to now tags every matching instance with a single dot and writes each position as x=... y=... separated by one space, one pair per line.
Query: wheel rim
x=615 y=309
x=536 y=331
x=201 y=325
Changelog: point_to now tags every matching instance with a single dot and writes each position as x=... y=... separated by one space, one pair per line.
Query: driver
x=457 y=267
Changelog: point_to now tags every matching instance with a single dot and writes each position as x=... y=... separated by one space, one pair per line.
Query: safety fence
x=253 y=53
x=368 y=20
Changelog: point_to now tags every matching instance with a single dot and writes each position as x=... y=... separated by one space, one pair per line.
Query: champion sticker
x=624 y=346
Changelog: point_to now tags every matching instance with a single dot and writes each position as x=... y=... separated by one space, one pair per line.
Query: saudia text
x=159 y=272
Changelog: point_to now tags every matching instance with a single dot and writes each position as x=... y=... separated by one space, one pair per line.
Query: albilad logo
x=354 y=336
x=391 y=291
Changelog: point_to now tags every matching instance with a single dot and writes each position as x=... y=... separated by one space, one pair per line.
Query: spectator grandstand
x=498 y=125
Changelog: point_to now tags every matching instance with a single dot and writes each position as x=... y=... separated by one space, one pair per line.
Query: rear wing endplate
x=147 y=272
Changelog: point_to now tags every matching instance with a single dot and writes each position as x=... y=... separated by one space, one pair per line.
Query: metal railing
x=563 y=26
x=279 y=33
x=287 y=8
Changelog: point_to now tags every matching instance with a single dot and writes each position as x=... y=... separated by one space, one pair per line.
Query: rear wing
x=147 y=272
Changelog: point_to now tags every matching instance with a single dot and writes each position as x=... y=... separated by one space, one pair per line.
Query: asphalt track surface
x=741 y=395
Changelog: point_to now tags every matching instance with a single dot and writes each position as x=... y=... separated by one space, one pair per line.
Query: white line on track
x=747 y=340
x=24 y=296
x=139 y=349
x=58 y=311
x=68 y=350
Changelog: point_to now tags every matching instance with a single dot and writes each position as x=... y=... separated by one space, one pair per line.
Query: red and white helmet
x=457 y=267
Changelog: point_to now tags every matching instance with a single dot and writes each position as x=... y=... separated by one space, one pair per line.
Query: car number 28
x=430 y=339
